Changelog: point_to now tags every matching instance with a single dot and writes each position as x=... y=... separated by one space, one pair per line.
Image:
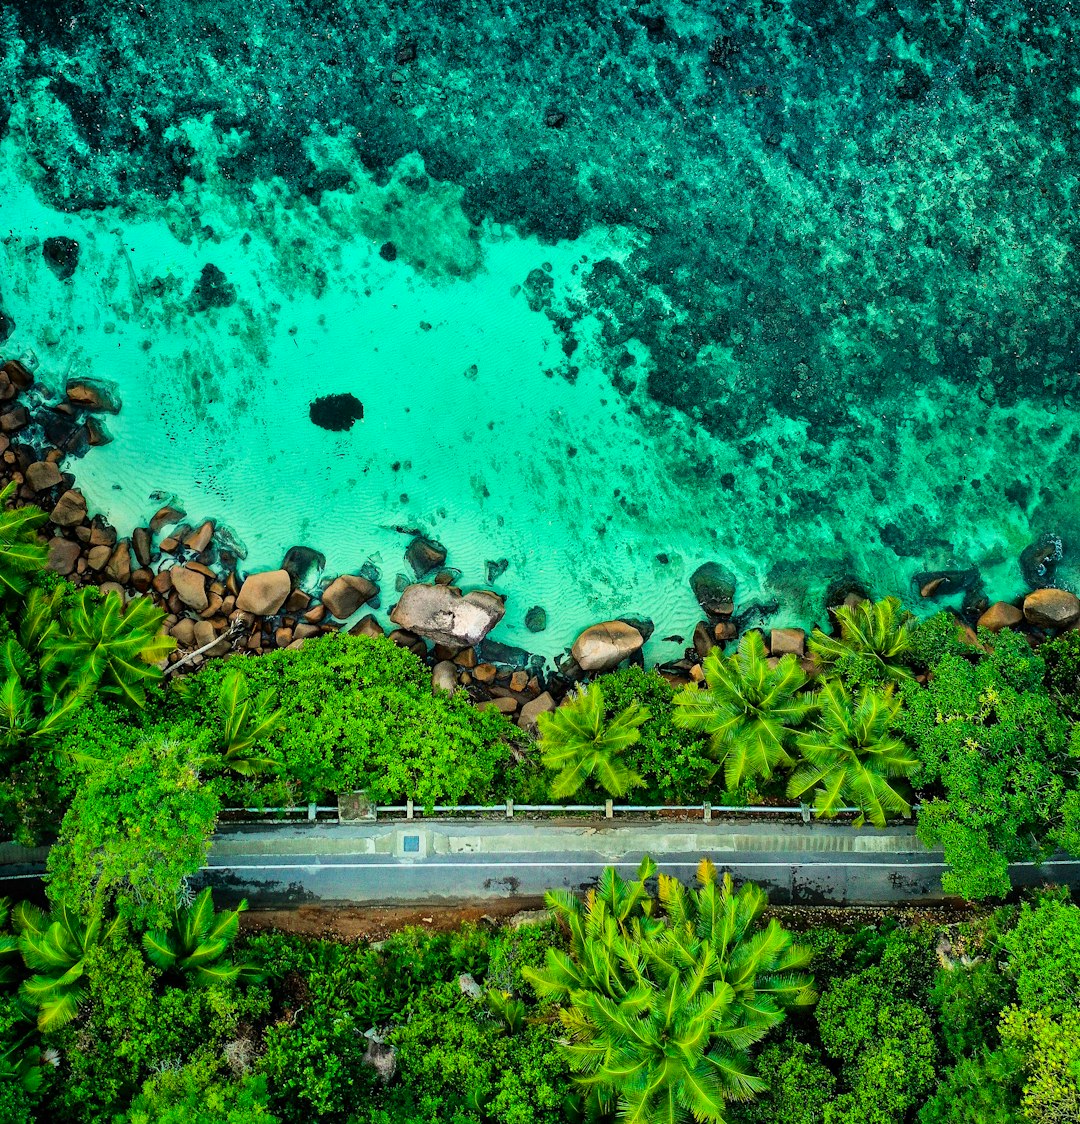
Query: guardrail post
x=804 y=810
x=408 y=809
x=312 y=811
x=509 y=809
x=706 y=812
x=609 y=811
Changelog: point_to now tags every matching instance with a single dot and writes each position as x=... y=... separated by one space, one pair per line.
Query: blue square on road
x=411 y=843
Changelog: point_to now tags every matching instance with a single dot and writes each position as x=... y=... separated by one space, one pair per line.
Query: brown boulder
x=424 y=555
x=119 y=565
x=542 y=704
x=164 y=517
x=787 y=641
x=97 y=556
x=602 y=647
x=200 y=538
x=190 y=587
x=367 y=626
x=70 y=509
x=42 y=475
x=442 y=614
x=1052 y=608
x=1000 y=615
x=264 y=594
x=143 y=545
x=63 y=556
x=343 y=596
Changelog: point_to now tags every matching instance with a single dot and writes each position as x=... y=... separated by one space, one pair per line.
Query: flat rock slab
x=442 y=614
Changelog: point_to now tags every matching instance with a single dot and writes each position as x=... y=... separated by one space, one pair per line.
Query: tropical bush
x=996 y=761
x=850 y=756
x=579 y=742
x=873 y=646
x=661 y=1011
x=749 y=710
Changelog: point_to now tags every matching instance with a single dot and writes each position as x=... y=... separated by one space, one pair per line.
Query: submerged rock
x=602 y=647
x=61 y=254
x=424 y=555
x=301 y=563
x=442 y=614
x=336 y=412
x=1039 y=561
x=496 y=569
x=536 y=619
x=714 y=588
x=93 y=394
x=212 y=290
x=7 y=326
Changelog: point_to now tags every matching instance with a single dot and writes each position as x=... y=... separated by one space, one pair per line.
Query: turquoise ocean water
x=621 y=289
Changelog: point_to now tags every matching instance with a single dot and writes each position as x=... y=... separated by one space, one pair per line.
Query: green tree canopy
x=873 y=645
x=139 y=825
x=850 y=756
x=195 y=943
x=660 y=1011
x=104 y=645
x=749 y=710
x=990 y=739
x=22 y=553
x=579 y=742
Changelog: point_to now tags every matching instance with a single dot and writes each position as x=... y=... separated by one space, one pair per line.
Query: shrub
x=673 y=762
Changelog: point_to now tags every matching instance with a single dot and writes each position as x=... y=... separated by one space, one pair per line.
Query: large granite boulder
x=69 y=510
x=190 y=587
x=264 y=594
x=604 y=646
x=445 y=616
x=1052 y=608
x=343 y=596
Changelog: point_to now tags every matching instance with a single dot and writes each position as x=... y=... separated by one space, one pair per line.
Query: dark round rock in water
x=7 y=326
x=62 y=254
x=536 y=619
x=336 y=412
x=388 y=251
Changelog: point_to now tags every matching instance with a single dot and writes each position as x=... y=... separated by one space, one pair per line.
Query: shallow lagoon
x=819 y=325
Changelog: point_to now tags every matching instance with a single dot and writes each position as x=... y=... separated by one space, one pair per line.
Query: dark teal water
x=791 y=285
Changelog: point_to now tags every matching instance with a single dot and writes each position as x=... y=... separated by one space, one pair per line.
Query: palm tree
x=246 y=721
x=54 y=948
x=875 y=636
x=748 y=708
x=850 y=757
x=28 y=716
x=196 y=942
x=660 y=1012
x=578 y=740
x=103 y=645
x=21 y=551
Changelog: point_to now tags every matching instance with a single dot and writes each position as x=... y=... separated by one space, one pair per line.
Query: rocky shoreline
x=193 y=572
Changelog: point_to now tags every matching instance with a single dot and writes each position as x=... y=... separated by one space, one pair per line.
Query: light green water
x=822 y=318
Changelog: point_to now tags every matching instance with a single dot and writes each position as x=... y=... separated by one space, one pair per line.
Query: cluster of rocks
x=191 y=569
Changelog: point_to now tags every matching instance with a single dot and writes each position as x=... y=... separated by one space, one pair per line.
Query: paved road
x=471 y=862
x=437 y=862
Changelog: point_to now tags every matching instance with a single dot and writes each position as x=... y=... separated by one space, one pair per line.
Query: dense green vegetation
x=130 y=998
x=646 y=998
x=982 y=732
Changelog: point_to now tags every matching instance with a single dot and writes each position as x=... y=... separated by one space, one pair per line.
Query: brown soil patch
x=375 y=923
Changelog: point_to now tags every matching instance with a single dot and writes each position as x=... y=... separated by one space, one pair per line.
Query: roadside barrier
x=354 y=810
